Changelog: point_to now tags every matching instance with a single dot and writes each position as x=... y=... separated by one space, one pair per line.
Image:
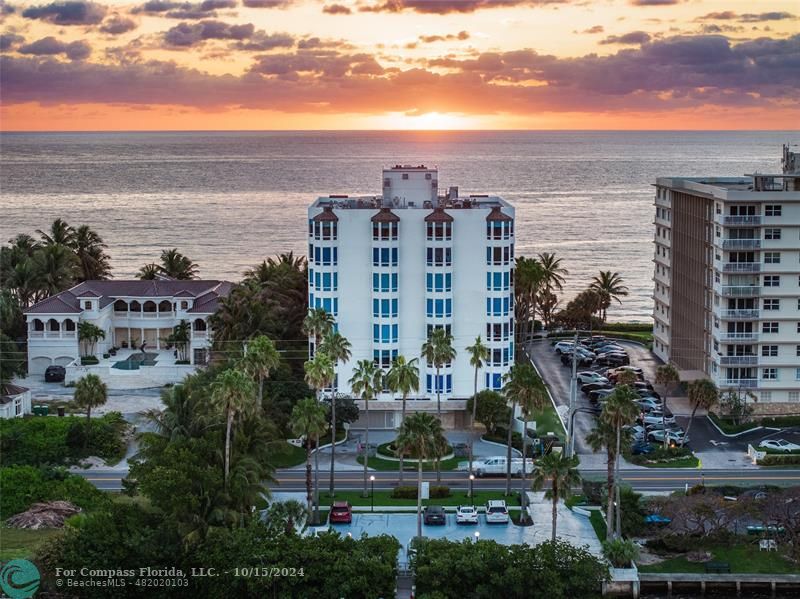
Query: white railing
x=741 y=244
x=741 y=290
x=741 y=267
x=36 y=334
x=738 y=360
x=744 y=383
x=202 y=334
x=121 y=314
x=739 y=336
x=52 y=334
x=741 y=220
x=739 y=314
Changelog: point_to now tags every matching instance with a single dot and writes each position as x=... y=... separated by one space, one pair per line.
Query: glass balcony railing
x=739 y=314
x=743 y=383
x=741 y=220
x=741 y=244
x=738 y=360
x=741 y=267
x=741 y=290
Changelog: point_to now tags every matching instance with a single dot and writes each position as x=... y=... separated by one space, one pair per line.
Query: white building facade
x=392 y=267
x=129 y=313
x=727 y=282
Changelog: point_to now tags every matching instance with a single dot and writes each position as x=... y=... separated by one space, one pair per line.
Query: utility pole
x=573 y=398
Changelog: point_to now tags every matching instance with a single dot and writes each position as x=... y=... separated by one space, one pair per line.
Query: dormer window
x=184 y=305
x=87 y=305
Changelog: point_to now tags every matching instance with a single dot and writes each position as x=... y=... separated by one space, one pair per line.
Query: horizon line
x=599 y=130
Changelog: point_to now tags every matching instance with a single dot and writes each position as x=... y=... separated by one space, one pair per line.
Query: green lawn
x=547 y=421
x=688 y=462
x=384 y=498
x=390 y=466
x=286 y=455
x=22 y=542
x=743 y=559
x=728 y=427
x=598 y=523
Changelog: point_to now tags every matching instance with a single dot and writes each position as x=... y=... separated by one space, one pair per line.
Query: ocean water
x=230 y=199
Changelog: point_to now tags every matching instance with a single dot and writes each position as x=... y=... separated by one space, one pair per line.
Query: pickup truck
x=497 y=465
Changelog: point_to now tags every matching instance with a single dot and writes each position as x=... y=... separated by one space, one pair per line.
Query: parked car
x=780 y=445
x=613 y=359
x=341 y=511
x=657 y=519
x=595 y=386
x=645 y=393
x=590 y=376
x=566 y=360
x=496 y=512
x=637 y=431
x=610 y=349
x=466 y=514
x=55 y=374
x=673 y=436
x=613 y=373
x=658 y=418
x=600 y=394
x=562 y=346
x=649 y=404
x=643 y=385
x=434 y=514
x=642 y=448
x=497 y=465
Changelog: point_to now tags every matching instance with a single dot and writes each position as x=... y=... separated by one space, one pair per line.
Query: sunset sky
x=400 y=64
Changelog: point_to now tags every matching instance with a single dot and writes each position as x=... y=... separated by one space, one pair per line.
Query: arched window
x=200 y=325
x=165 y=306
x=69 y=324
x=149 y=306
x=38 y=325
x=135 y=306
x=120 y=306
x=52 y=325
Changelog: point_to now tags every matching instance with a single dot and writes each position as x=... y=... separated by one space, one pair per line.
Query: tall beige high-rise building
x=727 y=282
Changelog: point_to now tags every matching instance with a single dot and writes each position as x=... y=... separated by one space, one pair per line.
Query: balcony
x=739 y=314
x=741 y=290
x=738 y=360
x=741 y=267
x=741 y=244
x=739 y=336
x=741 y=220
x=123 y=314
x=743 y=383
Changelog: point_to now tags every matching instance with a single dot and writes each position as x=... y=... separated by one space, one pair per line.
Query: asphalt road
x=641 y=480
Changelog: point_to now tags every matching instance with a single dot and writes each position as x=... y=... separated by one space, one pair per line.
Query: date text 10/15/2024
x=156 y=577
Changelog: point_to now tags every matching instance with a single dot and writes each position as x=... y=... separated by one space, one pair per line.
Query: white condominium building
x=727 y=282
x=392 y=267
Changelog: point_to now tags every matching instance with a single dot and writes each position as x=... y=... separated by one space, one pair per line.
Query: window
x=383 y=358
x=385 y=333
x=384 y=256
x=769 y=327
x=497 y=306
x=87 y=305
x=772 y=281
x=439 y=308
x=772 y=304
x=444 y=384
x=384 y=282
x=772 y=233
x=330 y=305
x=326 y=256
x=498 y=281
x=326 y=230
x=384 y=231
x=440 y=256
x=439 y=231
x=432 y=327
x=384 y=308
x=769 y=374
x=797 y=376
x=498 y=256
x=795 y=395
x=769 y=351
x=798 y=351
x=766 y=396
x=438 y=282
x=494 y=380
x=405 y=176
x=499 y=229
x=772 y=210
x=772 y=257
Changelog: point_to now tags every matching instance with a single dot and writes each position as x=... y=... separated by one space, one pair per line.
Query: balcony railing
x=738 y=360
x=745 y=383
x=200 y=334
x=741 y=267
x=739 y=336
x=741 y=290
x=741 y=220
x=741 y=244
x=739 y=314
x=123 y=314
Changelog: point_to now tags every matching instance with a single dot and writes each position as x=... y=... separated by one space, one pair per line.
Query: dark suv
x=434 y=514
x=55 y=374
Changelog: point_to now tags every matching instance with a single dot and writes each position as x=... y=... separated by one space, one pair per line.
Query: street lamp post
x=372 y=493
x=477 y=536
x=471 y=480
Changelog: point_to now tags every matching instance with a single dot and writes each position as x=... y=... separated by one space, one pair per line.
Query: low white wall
x=143 y=378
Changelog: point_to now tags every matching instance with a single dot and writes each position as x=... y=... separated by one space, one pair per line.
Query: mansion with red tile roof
x=130 y=313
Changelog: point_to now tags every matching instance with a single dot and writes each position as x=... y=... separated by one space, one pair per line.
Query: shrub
x=182 y=362
x=409 y=492
x=25 y=485
x=89 y=360
x=780 y=460
x=438 y=492
x=620 y=552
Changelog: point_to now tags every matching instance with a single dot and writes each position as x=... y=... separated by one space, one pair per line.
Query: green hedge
x=25 y=485
x=780 y=460
x=41 y=440
x=409 y=492
x=89 y=360
x=628 y=327
x=776 y=422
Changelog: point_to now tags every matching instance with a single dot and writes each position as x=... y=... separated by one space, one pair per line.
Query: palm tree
x=309 y=420
x=420 y=435
x=367 y=381
x=60 y=233
x=528 y=280
x=90 y=392
x=403 y=378
x=552 y=272
x=337 y=348
x=149 y=272
x=56 y=268
x=260 y=359
x=89 y=334
x=438 y=351
x=233 y=393
x=90 y=249
x=478 y=356
x=525 y=388
x=177 y=266
x=604 y=435
x=702 y=394
x=609 y=286
x=286 y=516
x=620 y=410
x=180 y=337
x=668 y=377
x=319 y=376
x=318 y=323
x=562 y=472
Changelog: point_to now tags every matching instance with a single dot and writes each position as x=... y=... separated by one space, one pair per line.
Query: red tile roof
x=438 y=216
x=385 y=215
x=497 y=214
x=327 y=214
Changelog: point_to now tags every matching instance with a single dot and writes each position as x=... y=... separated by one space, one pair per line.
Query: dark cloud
x=8 y=40
x=184 y=10
x=336 y=9
x=67 y=13
x=718 y=16
x=632 y=38
x=261 y=41
x=50 y=46
x=442 y=7
x=429 y=39
x=7 y=9
x=654 y=2
x=185 y=35
x=595 y=29
x=729 y=15
x=325 y=63
x=117 y=24
x=267 y=3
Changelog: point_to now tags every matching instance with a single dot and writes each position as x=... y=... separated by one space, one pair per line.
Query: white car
x=657 y=418
x=587 y=377
x=780 y=445
x=649 y=404
x=497 y=465
x=638 y=432
x=677 y=436
x=466 y=514
x=496 y=512
x=563 y=346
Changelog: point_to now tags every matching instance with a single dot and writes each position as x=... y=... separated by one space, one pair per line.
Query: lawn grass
x=382 y=465
x=547 y=421
x=286 y=455
x=23 y=542
x=598 y=523
x=687 y=462
x=744 y=558
x=384 y=498
x=729 y=428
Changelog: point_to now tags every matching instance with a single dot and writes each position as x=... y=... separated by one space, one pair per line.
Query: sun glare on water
x=429 y=121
